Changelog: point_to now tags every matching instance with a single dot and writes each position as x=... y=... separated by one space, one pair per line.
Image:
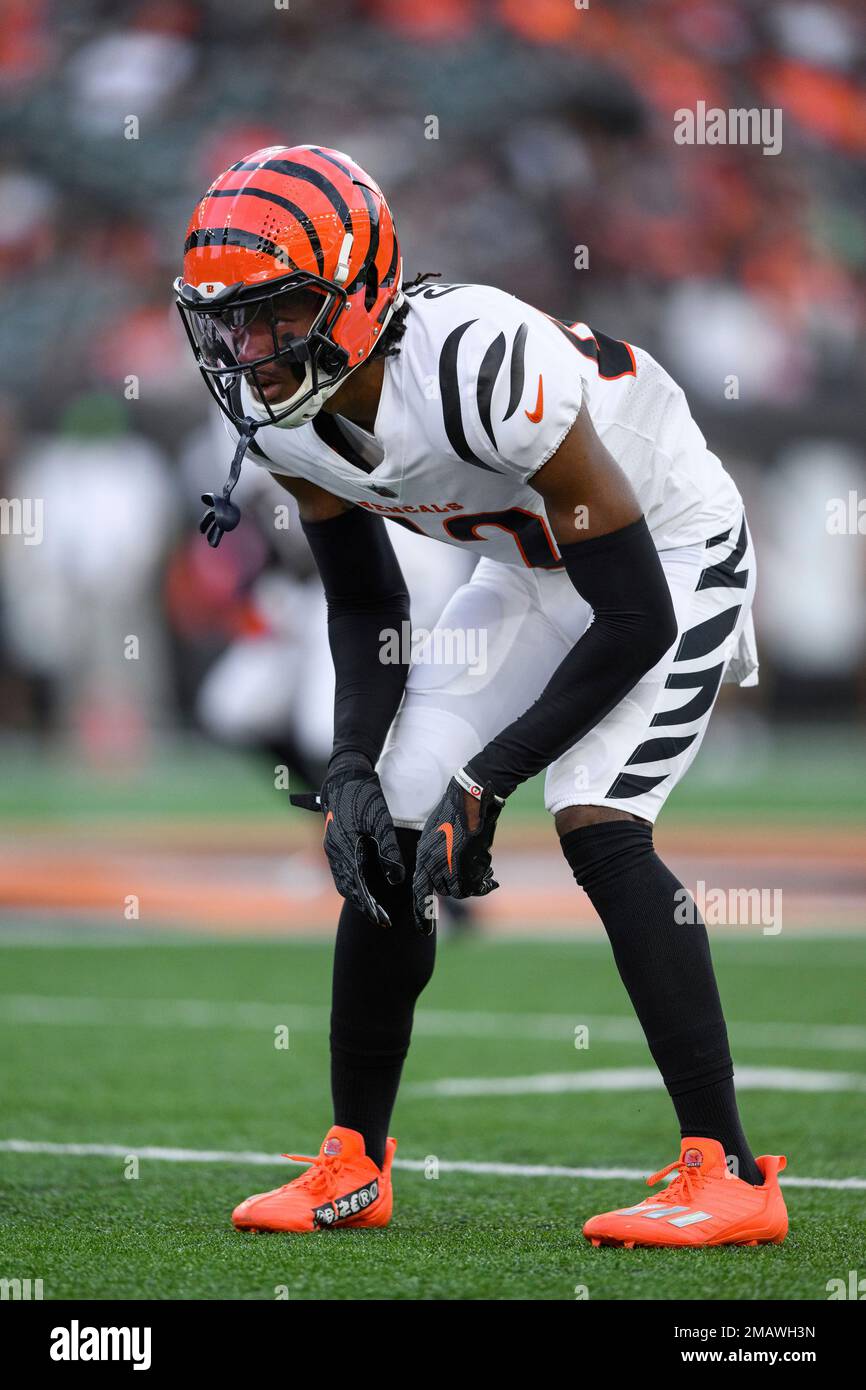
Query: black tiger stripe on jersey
x=633 y=784
x=717 y=540
x=706 y=683
x=328 y=430
x=654 y=750
x=706 y=636
x=449 y=394
x=308 y=175
x=487 y=375
x=615 y=357
x=517 y=370
x=297 y=212
x=697 y=641
x=612 y=357
x=723 y=575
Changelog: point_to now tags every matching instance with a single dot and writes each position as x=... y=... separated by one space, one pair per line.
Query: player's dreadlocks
x=389 y=343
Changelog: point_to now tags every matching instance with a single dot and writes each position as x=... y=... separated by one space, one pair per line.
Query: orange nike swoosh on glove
x=328 y=818
x=448 y=831
x=536 y=414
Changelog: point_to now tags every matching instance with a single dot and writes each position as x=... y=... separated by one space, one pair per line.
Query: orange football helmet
x=291 y=258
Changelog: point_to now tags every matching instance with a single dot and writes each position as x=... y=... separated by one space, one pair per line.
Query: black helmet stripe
x=308 y=175
x=302 y=217
x=373 y=248
x=235 y=236
x=372 y=209
x=388 y=277
x=329 y=158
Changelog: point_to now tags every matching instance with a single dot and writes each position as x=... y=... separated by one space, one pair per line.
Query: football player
x=613 y=593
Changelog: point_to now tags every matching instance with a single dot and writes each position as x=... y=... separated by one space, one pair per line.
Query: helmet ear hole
x=371 y=291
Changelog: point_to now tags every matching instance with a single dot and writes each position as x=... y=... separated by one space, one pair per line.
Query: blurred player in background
x=273 y=687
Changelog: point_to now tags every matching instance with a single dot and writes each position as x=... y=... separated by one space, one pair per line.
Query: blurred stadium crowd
x=553 y=130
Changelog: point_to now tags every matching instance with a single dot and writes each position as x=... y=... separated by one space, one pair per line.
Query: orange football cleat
x=704 y=1205
x=342 y=1188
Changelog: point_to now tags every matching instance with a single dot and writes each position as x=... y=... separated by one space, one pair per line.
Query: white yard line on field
x=627 y=1079
x=250 y=1158
x=69 y=1009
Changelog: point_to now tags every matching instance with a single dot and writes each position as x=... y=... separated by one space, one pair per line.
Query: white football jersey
x=481 y=394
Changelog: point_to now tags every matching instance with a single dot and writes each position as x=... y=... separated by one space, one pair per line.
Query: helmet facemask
x=267 y=353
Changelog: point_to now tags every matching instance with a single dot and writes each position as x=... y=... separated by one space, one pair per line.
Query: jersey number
x=531 y=534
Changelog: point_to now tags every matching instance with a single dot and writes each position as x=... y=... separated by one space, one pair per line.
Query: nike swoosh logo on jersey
x=536 y=414
x=448 y=831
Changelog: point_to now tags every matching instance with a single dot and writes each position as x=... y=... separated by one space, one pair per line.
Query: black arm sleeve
x=366 y=595
x=621 y=578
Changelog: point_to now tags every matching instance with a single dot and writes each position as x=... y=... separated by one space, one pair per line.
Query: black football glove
x=357 y=824
x=454 y=861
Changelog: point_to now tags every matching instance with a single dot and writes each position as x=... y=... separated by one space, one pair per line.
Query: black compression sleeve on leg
x=621 y=578
x=662 y=953
x=378 y=975
x=366 y=596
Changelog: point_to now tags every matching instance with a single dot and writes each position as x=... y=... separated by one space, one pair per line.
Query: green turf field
x=797 y=776
x=157 y=1042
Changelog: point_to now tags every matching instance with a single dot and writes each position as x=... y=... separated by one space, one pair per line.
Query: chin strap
x=222 y=514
